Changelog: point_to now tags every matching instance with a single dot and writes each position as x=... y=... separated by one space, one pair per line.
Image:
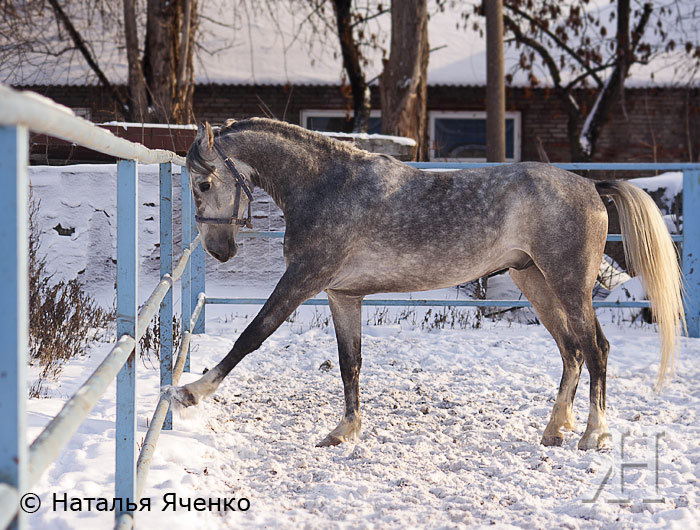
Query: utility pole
x=495 y=78
x=495 y=104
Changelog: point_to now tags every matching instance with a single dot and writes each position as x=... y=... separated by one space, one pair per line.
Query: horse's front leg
x=347 y=319
x=295 y=286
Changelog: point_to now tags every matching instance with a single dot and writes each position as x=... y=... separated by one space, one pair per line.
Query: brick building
x=652 y=124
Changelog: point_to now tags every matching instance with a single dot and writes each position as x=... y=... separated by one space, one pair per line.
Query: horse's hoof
x=179 y=396
x=553 y=440
x=329 y=441
x=600 y=441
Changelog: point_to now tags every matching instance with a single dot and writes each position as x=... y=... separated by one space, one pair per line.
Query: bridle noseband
x=241 y=184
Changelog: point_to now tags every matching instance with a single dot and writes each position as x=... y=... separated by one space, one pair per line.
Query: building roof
x=256 y=45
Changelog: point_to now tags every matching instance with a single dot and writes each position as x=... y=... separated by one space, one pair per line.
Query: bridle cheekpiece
x=241 y=184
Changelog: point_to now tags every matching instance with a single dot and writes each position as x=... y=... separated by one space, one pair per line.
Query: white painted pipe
x=43 y=115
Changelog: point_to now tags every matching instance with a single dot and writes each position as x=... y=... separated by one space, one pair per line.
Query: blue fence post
x=127 y=309
x=691 y=249
x=186 y=283
x=166 y=267
x=14 y=308
x=198 y=276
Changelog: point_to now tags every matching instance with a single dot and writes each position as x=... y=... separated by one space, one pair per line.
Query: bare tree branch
x=535 y=45
x=82 y=47
x=575 y=56
x=614 y=85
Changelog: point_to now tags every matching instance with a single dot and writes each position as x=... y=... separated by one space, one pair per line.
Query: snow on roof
x=240 y=46
x=365 y=136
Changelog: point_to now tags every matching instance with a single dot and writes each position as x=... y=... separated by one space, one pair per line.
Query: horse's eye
x=204 y=186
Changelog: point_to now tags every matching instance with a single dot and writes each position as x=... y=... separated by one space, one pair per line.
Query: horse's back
x=531 y=195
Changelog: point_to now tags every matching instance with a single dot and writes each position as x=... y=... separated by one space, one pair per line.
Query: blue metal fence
x=21 y=466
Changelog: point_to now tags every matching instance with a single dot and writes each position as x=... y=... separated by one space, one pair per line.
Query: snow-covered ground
x=451 y=417
x=452 y=421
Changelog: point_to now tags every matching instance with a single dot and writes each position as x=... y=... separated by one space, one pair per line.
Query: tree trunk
x=167 y=24
x=183 y=44
x=138 y=102
x=158 y=61
x=495 y=80
x=404 y=83
x=352 y=65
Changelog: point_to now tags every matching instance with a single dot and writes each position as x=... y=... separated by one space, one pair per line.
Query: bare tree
x=580 y=48
x=160 y=77
x=584 y=128
x=82 y=47
x=495 y=83
x=403 y=85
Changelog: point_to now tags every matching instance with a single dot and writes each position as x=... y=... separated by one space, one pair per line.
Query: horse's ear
x=205 y=137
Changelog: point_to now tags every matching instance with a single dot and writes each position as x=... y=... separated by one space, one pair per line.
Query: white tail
x=650 y=253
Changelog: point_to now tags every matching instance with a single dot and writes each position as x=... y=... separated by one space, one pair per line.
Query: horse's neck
x=272 y=187
x=286 y=171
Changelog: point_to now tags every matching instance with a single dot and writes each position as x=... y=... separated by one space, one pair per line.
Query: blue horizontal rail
x=423 y=302
x=579 y=166
x=278 y=234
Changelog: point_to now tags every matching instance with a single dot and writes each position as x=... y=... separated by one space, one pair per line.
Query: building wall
x=651 y=124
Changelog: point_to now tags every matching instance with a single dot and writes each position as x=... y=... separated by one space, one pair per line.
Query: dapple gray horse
x=360 y=223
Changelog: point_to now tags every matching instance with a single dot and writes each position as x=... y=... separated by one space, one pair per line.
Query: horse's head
x=220 y=187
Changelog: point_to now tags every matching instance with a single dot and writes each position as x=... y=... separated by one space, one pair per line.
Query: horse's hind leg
x=553 y=315
x=567 y=311
x=595 y=353
x=347 y=319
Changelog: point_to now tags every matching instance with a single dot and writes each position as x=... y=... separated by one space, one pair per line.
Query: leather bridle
x=241 y=184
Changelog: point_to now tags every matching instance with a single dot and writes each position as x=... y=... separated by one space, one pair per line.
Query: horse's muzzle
x=223 y=257
x=221 y=253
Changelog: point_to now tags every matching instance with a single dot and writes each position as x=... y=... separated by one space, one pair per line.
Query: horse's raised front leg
x=347 y=319
x=295 y=286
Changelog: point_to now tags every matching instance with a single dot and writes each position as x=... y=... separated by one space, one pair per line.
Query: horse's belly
x=386 y=273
